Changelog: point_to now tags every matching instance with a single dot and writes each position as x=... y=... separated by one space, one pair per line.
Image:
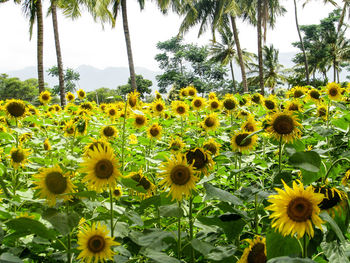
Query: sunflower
x=86 y=106
x=95 y=144
x=243 y=114
x=241 y=144
x=158 y=107
x=16 y=108
x=53 y=184
x=132 y=98
x=19 y=157
x=210 y=122
x=198 y=103
x=109 y=132
x=103 y=107
x=293 y=105
x=133 y=139
x=47 y=146
x=143 y=181
x=345 y=180
x=284 y=125
x=69 y=128
x=117 y=192
x=176 y=145
x=70 y=96
x=101 y=168
x=297 y=92
x=3 y=128
x=212 y=96
x=180 y=107
x=158 y=95
x=45 y=97
x=334 y=91
x=255 y=252
x=243 y=101
x=155 y=131
x=314 y=95
x=270 y=103
x=32 y=110
x=295 y=210
x=212 y=146
x=214 y=104
x=334 y=201
x=256 y=98
x=229 y=102
x=24 y=137
x=250 y=125
x=322 y=111
x=191 y=91
x=95 y=244
x=183 y=92
x=81 y=94
x=140 y=120
x=178 y=175
x=111 y=111
x=200 y=159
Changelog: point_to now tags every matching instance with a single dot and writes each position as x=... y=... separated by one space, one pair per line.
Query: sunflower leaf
x=27 y=226
x=309 y=161
x=217 y=193
x=159 y=256
x=290 y=260
x=172 y=210
x=278 y=245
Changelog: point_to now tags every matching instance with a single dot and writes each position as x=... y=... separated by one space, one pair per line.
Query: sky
x=85 y=42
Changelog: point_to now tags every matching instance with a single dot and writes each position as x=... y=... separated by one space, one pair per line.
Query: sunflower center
x=112 y=112
x=145 y=183
x=140 y=120
x=293 y=107
x=45 y=97
x=256 y=98
x=298 y=93
x=240 y=137
x=322 y=112
x=180 y=174
x=180 y=110
x=70 y=130
x=283 y=124
x=175 y=146
x=249 y=127
x=299 y=209
x=136 y=177
x=96 y=244
x=104 y=169
x=242 y=102
x=16 y=109
x=229 y=104
x=70 y=97
x=333 y=92
x=154 y=131
x=132 y=101
x=108 y=131
x=86 y=106
x=257 y=254
x=197 y=103
x=117 y=192
x=315 y=94
x=209 y=122
x=269 y=104
x=200 y=159
x=210 y=147
x=56 y=183
x=159 y=107
x=191 y=92
x=17 y=156
x=214 y=105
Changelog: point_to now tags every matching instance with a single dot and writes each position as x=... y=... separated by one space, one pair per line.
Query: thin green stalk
x=280 y=154
x=190 y=220
x=182 y=127
x=123 y=133
x=69 y=255
x=4 y=188
x=17 y=141
x=304 y=254
x=111 y=208
x=331 y=167
x=231 y=118
x=179 y=236
x=256 y=215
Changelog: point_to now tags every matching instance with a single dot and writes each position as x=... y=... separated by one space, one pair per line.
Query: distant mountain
x=91 y=78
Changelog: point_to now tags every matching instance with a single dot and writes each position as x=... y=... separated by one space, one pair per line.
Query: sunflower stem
x=279 y=154
x=190 y=219
x=111 y=208
x=304 y=254
x=256 y=214
x=331 y=167
x=231 y=118
x=179 y=236
x=17 y=141
x=123 y=134
x=182 y=127
x=69 y=256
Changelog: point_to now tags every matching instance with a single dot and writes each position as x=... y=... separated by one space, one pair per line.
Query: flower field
x=233 y=178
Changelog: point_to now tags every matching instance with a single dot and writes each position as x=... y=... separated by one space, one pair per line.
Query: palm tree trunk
x=342 y=16
x=261 y=73
x=58 y=52
x=334 y=71
x=302 y=44
x=233 y=78
x=128 y=45
x=240 y=55
x=40 y=46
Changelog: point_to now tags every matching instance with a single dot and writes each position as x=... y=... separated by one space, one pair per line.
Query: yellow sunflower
x=158 y=107
x=93 y=146
x=19 y=157
x=176 y=144
x=212 y=96
x=250 y=125
x=101 y=168
x=24 y=137
x=256 y=98
x=109 y=131
x=297 y=92
x=117 y=192
x=334 y=91
x=335 y=201
x=143 y=181
x=154 y=131
x=179 y=176
x=255 y=252
x=45 y=97
x=81 y=94
x=133 y=98
x=103 y=107
x=198 y=103
x=284 y=125
x=69 y=128
x=140 y=120
x=112 y=111
x=212 y=146
x=16 y=108
x=295 y=210
x=245 y=146
x=345 y=180
x=229 y=102
x=47 y=145
x=133 y=139
x=243 y=114
x=180 y=108
x=210 y=122
x=86 y=106
x=53 y=184
x=191 y=91
x=270 y=103
x=183 y=92
x=214 y=104
x=70 y=96
x=314 y=95
x=158 y=95
x=293 y=105
x=95 y=244
x=200 y=159
x=322 y=111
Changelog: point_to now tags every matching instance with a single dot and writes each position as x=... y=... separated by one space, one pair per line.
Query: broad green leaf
x=134 y=217
x=326 y=217
x=61 y=221
x=221 y=253
x=335 y=252
x=28 y=226
x=172 y=210
x=278 y=245
x=309 y=161
x=217 y=193
x=203 y=247
x=9 y=258
x=159 y=256
x=290 y=260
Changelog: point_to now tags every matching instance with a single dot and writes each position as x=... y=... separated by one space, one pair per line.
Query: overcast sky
x=84 y=42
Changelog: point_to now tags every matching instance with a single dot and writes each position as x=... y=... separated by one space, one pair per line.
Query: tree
x=14 y=88
x=70 y=78
x=102 y=95
x=142 y=87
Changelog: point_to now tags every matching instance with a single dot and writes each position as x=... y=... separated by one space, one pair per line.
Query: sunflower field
x=238 y=178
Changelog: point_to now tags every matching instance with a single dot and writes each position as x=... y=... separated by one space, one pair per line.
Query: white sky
x=84 y=42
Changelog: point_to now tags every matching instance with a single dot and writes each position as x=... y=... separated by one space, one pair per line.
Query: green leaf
x=326 y=217
x=61 y=221
x=130 y=183
x=278 y=245
x=9 y=258
x=310 y=177
x=309 y=161
x=221 y=253
x=154 y=238
x=217 y=193
x=335 y=252
x=159 y=256
x=203 y=247
x=134 y=217
x=25 y=226
x=172 y=210
x=290 y=260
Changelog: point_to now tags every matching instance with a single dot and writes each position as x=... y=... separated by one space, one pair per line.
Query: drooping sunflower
x=101 y=168
x=154 y=131
x=229 y=102
x=241 y=144
x=45 y=97
x=109 y=132
x=191 y=91
x=47 y=145
x=144 y=182
x=214 y=104
x=293 y=105
x=95 y=244
x=176 y=144
x=19 y=157
x=200 y=159
x=255 y=252
x=180 y=108
x=158 y=107
x=256 y=98
x=296 y=210
x=81 y=125
x=70 y=96
x=334 y=91
x=210 y=122
x=81 y=94
x=284 y=125
x=133 y=98
x=16 y=108
x=69 y=128
x=243 y=101
x=250 y=125
x=322 y=111
x=198 y=103
x=140 y=120
x=53 y=184
x=212 y=146
x=179 y=176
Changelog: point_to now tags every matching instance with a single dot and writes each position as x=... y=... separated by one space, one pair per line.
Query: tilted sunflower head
x=293 y=105
x=112 y=111
x=132 y=98
x=81 y=94
x=243 y=142
x=70 y=96
x=200 y=159
x=334 y=201
x=322 y=111
x=45 y=97
x=176 y=144
x=109 y=131
x=212 y=96
x=210 y=122
x=314 y=94
x=256 y=98
x=297 y=92
x=86 y=106
x=183 y=92
x=19 y=157
x=255 y=252
x=16 y=108
x=270 y=104
x=212 y=146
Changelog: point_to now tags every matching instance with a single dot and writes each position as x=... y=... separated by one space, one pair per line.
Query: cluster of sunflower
x=191 y=130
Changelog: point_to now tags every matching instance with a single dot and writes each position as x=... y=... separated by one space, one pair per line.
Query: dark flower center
x=293 y=107
x=199 y=158
x=145 y=183
x=140 y=120
x=283 y=124
x=209 y=122
x=256 y=98
x=229 y=104
x=322 y=112
x=180 y=110
x=314 y=94
x=298 y=93
x=239 y=139
x=214 y=105
x=108 y=131
x=104 y=169
x=45 y=97
x=211 y=147
x=86 y=106
x=159 y=107
x=331 y=199
x=132 y=101
x=17 y=156
x=269 y=104
x=191 y=92
x=96 y=244
x=154 y=131
x=299 y=209
x=56 y=183
x=16 y=109
x=257 y=254
x=197 y=103
x=180 y=174
x=333 y=92
x=112 y=112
